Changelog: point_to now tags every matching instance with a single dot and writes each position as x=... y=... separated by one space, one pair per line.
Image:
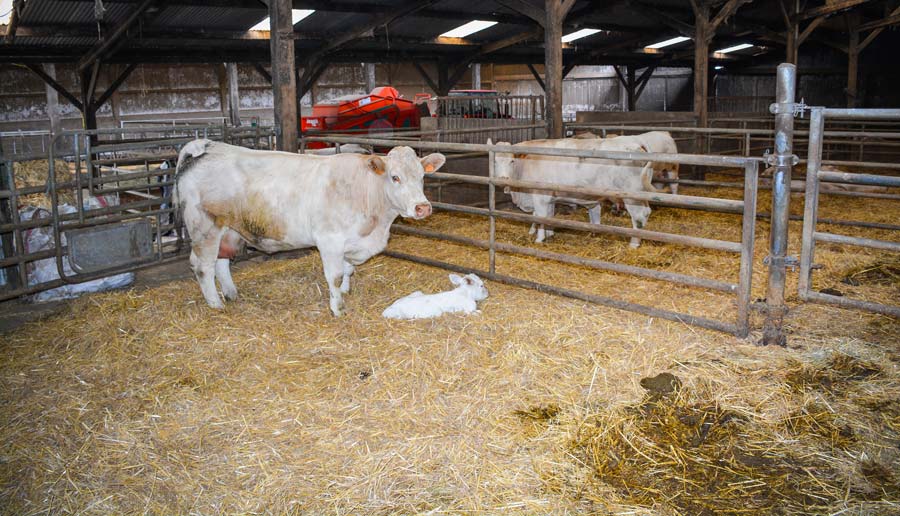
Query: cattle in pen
x=611 y=174
x=654 y=141
x=343 y=205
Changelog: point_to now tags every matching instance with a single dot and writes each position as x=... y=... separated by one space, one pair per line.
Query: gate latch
x=793 y=108
x=777 y=160
x=788 y=262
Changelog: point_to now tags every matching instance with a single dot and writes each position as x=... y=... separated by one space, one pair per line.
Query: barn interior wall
x=195 y=91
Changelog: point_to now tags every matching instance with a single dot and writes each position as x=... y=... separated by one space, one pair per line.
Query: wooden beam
x=431 y=84
x=308 y=79
x=809 y=29
x=234 y=96
x=701 y=60
x=262 y=71
x=667 y=19
x=526 y=8
x=829 y=9
x=13 y=25
x=101 y=47
x=893 y=19
x=284 y=84
x=878 y=26
x=622 y=80
x=50 y=81
x=114 y=86
x=789 y=8
x=853 y=62
x=404 y=9
x=537 y=76
x=724 y=13
x=553 y=63
x=630 y=88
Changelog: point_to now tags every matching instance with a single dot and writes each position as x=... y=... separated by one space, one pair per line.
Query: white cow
x=623 y=175
x=654 y=141
x=343 y=205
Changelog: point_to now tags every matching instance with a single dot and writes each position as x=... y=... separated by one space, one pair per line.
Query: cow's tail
x=647 y=179
x=187 y=158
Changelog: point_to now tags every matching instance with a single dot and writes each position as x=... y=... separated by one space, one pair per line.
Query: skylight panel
x=296 y=16
x=668 y=42
x=583 y=33
x=469 y=28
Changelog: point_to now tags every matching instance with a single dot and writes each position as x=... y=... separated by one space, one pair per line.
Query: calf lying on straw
x=417 y=305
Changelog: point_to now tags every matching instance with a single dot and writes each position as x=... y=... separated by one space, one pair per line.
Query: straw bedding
x=146 y=401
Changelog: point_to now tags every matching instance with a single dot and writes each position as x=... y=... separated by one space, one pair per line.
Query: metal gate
x=814 y=176
x=100 y=207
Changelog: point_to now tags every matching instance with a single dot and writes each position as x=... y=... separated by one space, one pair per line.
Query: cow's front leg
x=551 y=212
x=333 y=265
x=345 y=282
x=639 y=212
x=203 y=262
x=542 y=206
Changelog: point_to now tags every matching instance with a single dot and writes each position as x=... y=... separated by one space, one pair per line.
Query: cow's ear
x=456 y=279
x=376 y=164
x=433 y=162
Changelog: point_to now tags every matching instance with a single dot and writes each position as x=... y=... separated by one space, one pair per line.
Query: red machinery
x=380 y=111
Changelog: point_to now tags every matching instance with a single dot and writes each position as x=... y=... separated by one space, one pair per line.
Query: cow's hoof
x=218 y=305
x=634 y=245
x=345 y=287
x=230 y=296
x=337 y=308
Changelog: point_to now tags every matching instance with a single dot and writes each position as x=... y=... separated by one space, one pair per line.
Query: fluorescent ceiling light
x=742 y=46
x=469 y=28
x=720 y=67
x=579 y=34
x=296 y=16
x=668 y=42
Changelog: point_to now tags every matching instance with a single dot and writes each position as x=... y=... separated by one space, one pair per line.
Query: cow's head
x=404 y=177
x=504 y=165
x=471 y=286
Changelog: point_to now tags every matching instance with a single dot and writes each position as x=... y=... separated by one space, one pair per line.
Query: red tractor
x=380 y=111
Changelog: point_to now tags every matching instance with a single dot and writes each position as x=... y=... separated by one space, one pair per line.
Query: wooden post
x=370 y=77
x=476 y=76
x=284 y=84
x=853 y=68
x=52 y=101
x=631 y=85
x=88 y=109
x=701 y=63
x=555 y=12
x=790 y=9
x=234 y=97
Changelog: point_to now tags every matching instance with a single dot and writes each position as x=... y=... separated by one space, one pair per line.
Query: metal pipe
x=681 y=201
x=868 y=306
x=706 y=243
x=686 y=159
x=810 y=207
x=859 y=179
x=781 y=197
x=672 y=277
x=492 y=259
x=574 y=294
x=748 y=235
x=871 y=243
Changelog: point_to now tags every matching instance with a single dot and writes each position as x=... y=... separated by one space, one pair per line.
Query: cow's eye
x=395 y=179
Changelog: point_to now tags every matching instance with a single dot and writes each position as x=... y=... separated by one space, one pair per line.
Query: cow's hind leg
x=639 y=212
x=229 y=246
x=345 y=282
x=542 y=208
x=205 y=237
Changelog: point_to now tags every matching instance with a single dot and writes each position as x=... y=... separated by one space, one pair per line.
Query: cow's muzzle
x=423 y=210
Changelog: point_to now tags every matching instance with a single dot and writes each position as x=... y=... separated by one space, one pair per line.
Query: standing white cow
x=654 y=141
x=274 y=201
x=624 y=175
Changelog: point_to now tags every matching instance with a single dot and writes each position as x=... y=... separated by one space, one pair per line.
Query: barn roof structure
x=89 y=33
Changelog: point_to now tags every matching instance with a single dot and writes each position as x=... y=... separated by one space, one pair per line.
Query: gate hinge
x=790 y=262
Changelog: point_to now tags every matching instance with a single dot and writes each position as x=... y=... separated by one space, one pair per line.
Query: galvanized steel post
x=783 y=160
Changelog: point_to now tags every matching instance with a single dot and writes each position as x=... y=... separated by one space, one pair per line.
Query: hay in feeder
x=148 y=401
x=36 y=173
